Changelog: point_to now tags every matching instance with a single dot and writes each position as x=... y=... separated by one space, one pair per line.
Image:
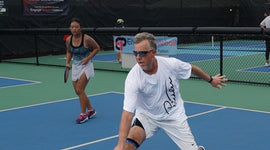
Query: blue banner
x=165 y=45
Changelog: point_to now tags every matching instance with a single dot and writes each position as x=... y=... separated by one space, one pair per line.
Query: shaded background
x=138 y=13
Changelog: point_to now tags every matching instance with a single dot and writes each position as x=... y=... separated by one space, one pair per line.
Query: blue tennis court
x=230 y=48
x=105 y=57
x=189 y=57
x=11 y=82
x=52 y=126
x=263 y=69
x=230 y=45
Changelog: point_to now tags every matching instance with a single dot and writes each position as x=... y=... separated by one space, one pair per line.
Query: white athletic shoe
x=267 y=65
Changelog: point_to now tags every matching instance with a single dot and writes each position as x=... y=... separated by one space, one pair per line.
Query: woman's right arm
x=68 y=53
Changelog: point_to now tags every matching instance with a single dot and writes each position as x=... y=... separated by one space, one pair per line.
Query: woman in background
x=266 y=24
x=78 y=47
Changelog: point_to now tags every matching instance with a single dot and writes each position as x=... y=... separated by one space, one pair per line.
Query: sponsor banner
x=165 y=45
x=3 y=8
x=45 y=7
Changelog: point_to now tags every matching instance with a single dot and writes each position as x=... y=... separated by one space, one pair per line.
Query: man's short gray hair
x=146 y=36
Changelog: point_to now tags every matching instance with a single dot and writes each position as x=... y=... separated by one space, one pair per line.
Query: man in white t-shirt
x=266 y=24
x=152 y=90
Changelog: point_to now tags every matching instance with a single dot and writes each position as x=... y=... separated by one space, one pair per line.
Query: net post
x=221 y=55
x=0 y=55
x=36 y=49
x=212 y=39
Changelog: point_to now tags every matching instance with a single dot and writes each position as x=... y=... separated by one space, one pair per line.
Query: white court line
x=18 y=79
x=56 y=101
x=115 y=136
x=245 y=109
x=81 y=145
x=187 y=101
x=206 y=112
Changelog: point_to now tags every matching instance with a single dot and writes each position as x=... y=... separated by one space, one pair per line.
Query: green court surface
x=52 y=88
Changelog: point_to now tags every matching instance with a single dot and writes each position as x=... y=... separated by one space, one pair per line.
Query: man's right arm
x=124 y=128
x=263 y=27
x=263 y=24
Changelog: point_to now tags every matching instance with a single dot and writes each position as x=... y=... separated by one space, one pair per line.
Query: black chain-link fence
x=238 y=53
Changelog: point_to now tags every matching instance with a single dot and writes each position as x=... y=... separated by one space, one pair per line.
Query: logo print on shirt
x=171 y=102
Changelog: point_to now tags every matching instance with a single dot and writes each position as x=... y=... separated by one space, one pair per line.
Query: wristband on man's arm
x=211 y=79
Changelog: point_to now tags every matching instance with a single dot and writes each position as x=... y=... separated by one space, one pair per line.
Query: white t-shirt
x=266 y=22
x=157 y=95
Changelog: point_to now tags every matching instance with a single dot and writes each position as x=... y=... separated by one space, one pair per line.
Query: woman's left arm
x=90 y=42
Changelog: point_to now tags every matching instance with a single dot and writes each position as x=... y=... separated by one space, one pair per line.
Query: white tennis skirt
x=78 y=70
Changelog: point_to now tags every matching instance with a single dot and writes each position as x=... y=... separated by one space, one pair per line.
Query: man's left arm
x=215 y=81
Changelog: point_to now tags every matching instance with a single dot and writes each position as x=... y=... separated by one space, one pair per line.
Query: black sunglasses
x=141 y=53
